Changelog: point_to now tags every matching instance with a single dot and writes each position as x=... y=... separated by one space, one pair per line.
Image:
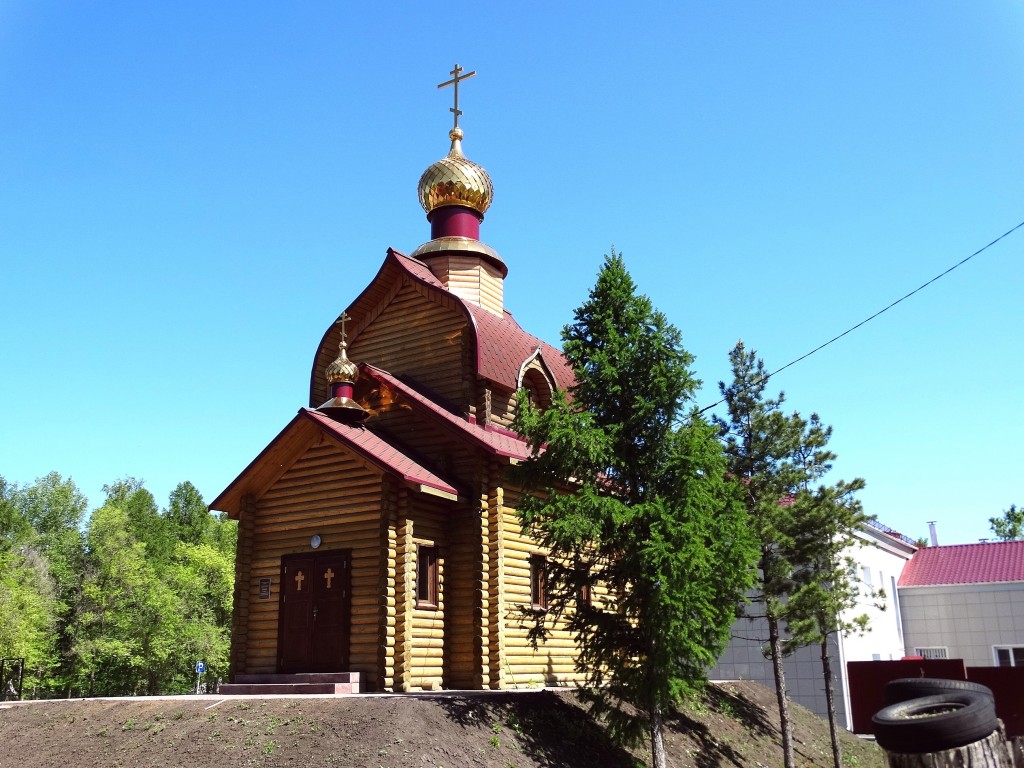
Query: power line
x=869 y=319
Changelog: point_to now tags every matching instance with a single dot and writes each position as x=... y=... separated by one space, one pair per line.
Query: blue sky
x=191 y=192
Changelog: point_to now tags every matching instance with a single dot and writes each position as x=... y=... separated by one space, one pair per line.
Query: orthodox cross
x=456 y=79
x=342 y=319
x=328 y=576
x=299 y=578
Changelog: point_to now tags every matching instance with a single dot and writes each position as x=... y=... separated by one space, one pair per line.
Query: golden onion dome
x=455 y=180
x=342 y=370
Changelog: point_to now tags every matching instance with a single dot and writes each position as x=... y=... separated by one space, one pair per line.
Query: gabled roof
x=500 y=442
x=273 y=460
x=501 y=344
x=983 y=563
x=380 y=452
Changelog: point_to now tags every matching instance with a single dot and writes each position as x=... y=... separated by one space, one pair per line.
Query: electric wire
x=872 y=317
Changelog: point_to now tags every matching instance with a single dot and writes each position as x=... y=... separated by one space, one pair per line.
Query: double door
x=315 y=606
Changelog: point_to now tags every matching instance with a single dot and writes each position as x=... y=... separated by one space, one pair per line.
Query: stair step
x=301 y=677
x=262 y=689
x=332 y=683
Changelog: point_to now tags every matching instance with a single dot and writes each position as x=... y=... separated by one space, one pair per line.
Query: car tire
x=907 y=688
x=935 y=723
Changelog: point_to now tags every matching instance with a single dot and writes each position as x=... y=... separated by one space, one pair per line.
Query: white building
x=879 y=560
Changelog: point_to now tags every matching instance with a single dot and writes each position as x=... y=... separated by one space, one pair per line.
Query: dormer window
x=537 y=387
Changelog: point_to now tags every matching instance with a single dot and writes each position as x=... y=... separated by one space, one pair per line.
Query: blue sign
x=200 y=667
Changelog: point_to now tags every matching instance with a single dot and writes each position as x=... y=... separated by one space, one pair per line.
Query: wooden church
x=378 y=540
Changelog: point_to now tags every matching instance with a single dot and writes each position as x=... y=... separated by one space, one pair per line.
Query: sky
x=191 y=192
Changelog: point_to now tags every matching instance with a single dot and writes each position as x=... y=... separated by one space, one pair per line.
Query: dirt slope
x=733 y=726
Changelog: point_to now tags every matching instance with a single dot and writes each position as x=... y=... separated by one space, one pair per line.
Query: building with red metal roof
x=378 y=542
x=966 y=601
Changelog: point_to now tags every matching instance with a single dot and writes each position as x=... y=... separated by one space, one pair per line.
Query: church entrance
x=315 y=604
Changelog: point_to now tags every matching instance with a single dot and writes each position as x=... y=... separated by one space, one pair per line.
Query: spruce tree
x=649 y=545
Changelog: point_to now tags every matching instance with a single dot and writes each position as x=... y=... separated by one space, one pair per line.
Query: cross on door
x=299 y=578
x=328 y=576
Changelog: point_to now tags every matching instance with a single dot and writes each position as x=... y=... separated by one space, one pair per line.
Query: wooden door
x=313 y=628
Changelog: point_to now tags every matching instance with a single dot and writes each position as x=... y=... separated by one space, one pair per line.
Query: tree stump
x=1017 y=748
x=991 y=752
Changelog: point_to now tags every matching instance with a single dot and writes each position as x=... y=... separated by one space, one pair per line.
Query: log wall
x=240 y=602
x=464 y=642
x=553 y=662
x=415 y=336
x=427 y=521
x=472 y=279
x=330 y=493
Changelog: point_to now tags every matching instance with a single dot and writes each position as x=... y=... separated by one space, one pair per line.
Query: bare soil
x=734 y=725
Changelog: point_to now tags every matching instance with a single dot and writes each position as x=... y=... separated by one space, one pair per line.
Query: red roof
x=385 y=455
x=965 y=564
x=502 y=442
x=502 y=346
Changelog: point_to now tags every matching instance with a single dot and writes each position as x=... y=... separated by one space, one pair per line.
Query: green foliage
x=144 y=520
x=125 y=603
x=803 y=527
x=1009 y=527
x=187 y=515
x=826 y=588
x=622 y=497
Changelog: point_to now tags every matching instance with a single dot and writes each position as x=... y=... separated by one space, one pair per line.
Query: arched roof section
x=500 y=348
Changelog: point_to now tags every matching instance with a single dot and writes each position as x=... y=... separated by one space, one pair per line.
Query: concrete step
x=332 y=683
x=300 y=677
x=264 y=689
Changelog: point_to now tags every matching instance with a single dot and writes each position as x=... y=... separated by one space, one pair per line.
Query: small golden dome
x=455 y=180
x=342 y=370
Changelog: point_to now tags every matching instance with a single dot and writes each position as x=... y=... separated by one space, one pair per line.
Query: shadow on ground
x=550 y=727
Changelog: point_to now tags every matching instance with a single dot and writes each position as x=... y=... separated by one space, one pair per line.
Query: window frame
x=427 y=571
x=585 y=593
x=1014 y=652
x=920 y=650
x=538 y=582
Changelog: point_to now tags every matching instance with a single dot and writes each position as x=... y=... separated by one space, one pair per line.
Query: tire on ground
x=907 y=688
x=935 y=723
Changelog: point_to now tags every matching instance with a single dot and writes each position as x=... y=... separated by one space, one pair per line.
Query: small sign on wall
x=264 y=588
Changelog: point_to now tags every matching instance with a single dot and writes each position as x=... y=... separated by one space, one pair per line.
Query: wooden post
x=991 y=752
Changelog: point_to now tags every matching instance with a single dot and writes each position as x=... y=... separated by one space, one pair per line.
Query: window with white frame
x=1009 y=655
x=932 y=652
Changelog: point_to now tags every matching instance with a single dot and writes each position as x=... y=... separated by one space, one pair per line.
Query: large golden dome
x=455 y=180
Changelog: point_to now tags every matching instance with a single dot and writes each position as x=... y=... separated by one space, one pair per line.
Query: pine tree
x=826 y=519
x=649 y=546
x=763 y=446
x=1010 y=526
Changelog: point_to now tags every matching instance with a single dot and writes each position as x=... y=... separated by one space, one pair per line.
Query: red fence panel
x=1007 y=684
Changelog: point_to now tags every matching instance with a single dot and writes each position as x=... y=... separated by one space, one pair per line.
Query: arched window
x=537 y=388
